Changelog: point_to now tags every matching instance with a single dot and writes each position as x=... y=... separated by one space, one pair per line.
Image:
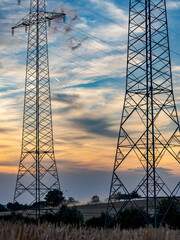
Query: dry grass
x=18 y=231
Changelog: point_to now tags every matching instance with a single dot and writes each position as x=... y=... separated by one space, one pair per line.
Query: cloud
x=7 y=130
x=75 y=43
x=114 y=33
x=93 y=125
x=176 y=68
x=68 y=102
x=161 y=170
x=111 y=10
x=65 y=110
x=73 y=14
x=65 y=98
x=76 y=138
x=171 y=5
x=8 y=163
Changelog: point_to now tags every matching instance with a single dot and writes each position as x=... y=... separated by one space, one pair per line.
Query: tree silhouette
x=54 y=198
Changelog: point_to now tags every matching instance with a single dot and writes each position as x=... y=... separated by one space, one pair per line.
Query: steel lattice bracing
x=149 y=106
x=37 y=173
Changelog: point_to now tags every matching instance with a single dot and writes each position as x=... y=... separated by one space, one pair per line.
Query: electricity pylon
x=37 y=173
x=149 y=129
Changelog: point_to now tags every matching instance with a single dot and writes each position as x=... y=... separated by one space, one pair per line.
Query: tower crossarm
x=38 y=17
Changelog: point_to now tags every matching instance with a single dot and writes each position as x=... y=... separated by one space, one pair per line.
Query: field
x=18 y=231
x=94 y=210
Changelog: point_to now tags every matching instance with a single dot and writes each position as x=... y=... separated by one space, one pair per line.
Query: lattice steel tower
x=149 y=129
x=37 y=169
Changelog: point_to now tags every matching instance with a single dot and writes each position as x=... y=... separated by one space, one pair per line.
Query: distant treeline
x=129 y=218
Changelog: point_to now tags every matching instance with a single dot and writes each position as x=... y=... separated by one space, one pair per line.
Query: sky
x=87 y=70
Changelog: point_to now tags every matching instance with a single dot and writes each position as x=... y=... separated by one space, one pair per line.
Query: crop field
x=95 y=210
x=19 y=231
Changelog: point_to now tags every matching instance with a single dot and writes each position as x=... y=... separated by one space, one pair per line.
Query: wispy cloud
x=172 y=5
x=94 y=125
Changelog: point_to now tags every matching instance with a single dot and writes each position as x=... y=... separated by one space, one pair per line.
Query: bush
x=70 y=215
x=66 y=215
x=16 y=206
x=50 y=218
x=16 y=217
x=172 y=217
x=96 y=221
x=2 y=208
x=131 y=218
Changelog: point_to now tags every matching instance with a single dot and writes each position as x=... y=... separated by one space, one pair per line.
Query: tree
x=135 y=194
x=117 y=196
x=71 y=200
x=96 y=221
x=41 y=204
x=131 y=218
x=172 y=211
x=17 y=217
x=54 y=198
x=2 y=208
x=95 y=199
x=10 y=206
x=66 y=215
x=16 y=206
x=70 y=215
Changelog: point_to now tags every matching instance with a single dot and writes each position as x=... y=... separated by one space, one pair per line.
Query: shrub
x=70 y=215
x=16 y=206
x=66 y=215
x=96 y=221
x=17 y=217
x=131 y=218
x=2 y=208
x=172 y=211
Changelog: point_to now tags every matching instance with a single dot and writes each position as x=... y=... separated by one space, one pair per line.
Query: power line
x=95 y=12
x=89 y=35
x=177 y=53
x=174 y=31
x=90 y=44
x=79 y=57
x=74 y=62
x=96 y=38
x=77 y=3
x=92 y=11
x=85 y=58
